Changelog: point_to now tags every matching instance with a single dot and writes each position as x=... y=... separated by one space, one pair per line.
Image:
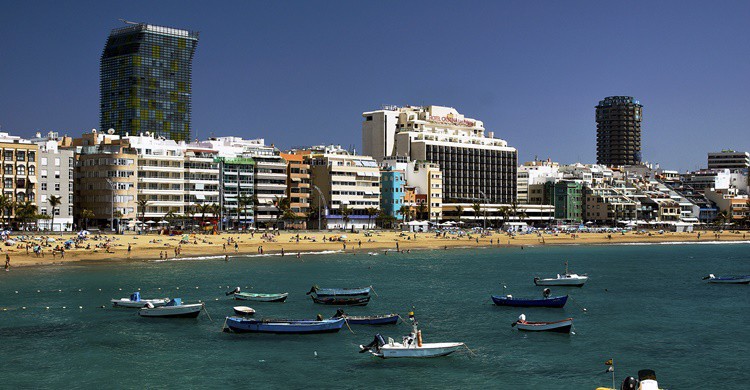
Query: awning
x=296 y=179
x=199 y=186
x=32 y=179
x=200 y=196
x=690 y=219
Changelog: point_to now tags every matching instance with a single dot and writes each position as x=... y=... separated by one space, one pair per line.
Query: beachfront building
x=349 y=183
x=568 y=200
x=236 y=192
x=146 y=81
x=202 y=184
x=606 y=205
x=20 y=162
x=736 y=206
x=392 y=185
x=532 y=173
x=729 y=159
x=705 y=179
x=474 y=165
x=56 y=181
x=161 y=177
x=298 y=188
x=105 y=181
x=618 y=131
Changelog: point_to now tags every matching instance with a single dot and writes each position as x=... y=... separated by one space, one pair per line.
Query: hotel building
x=729 y=159
x=475 y=166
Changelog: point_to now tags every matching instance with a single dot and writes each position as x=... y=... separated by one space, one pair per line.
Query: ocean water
x=646 y=307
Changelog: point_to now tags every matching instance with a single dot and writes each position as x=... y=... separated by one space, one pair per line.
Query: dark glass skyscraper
x=146 y=81
x=618 y=131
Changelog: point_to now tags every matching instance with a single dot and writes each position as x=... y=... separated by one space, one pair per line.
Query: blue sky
x=300 y=73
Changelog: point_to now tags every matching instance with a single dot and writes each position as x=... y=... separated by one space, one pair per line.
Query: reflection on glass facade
x=146 y=81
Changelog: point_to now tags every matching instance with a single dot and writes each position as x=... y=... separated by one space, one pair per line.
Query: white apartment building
x=475 y=165
x=161 y=175
x=347 y=181
x=55 y=172
x=201 y=179
x=534 y=172
x=728 y=159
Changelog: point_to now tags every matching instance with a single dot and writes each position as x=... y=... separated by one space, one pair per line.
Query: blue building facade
x=392 y=185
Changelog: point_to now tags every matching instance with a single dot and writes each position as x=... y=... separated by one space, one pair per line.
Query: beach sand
x=150 y=246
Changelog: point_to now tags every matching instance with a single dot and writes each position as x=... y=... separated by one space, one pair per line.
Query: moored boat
x=174 y=309
x=567 y=279
x=386 y=319
x=260 y=297
x=509 y=300
x=646 y=381
x=342 y=301
x=744 y=279
x=243 y=310
x=562 y=326
x=340 y=292
x=411 y=346
x=244 y=325
x=135 y=301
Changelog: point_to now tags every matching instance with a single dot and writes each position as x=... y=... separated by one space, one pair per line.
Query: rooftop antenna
x=127 y=21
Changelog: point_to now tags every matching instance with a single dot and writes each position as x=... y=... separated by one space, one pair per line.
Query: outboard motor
x=135 y=297
x=629 y=383
x=376 y=343
x=339 y=313
x=546 y=292
x=235 y=291
x=312 y=290
x=149 y=305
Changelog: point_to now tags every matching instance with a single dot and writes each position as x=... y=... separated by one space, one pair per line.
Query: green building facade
x=567 y=197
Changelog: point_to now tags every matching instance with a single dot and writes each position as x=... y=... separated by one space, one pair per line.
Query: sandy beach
x=154 y=247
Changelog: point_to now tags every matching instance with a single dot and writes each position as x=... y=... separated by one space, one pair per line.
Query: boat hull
x=343 y=292
x=341 y=301
x=389 y=319
x=731 y=280
x=554 y=302
x=243 y=310
x=243 y=325
x=261 y=297
x=125 y=302
x=182 y=311
x=570 y=282
x=563 y=326
x=427 y=350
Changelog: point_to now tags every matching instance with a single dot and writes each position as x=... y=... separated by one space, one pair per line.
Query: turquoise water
x=646 y=308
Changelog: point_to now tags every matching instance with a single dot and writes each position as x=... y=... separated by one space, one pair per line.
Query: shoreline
x=149 y=248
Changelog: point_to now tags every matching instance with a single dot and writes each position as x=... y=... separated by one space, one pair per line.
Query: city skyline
x=526 y=70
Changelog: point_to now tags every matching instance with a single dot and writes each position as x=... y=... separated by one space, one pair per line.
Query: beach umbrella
x=163 y=222
x=150 y=222
x=51 y=239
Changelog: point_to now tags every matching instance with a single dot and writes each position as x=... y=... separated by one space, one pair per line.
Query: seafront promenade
x=102 y=249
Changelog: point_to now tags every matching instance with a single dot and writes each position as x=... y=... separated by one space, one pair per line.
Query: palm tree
x=459 y=211
x=242 y=202
x=142 y=203
x=54 y=201
x=723 y=217
x=421 y=210
x=85 y=216
x=477 y=208
x=345 y=212
x=371 y=212
x=216 y=209
x=25 y=212
x=403 y=210
x=6 y=207
x=284 y=206
x=203 y=208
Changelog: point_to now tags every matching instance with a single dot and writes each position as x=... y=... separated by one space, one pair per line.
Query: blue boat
x=744 y=279
x=244 y=325
x=386 y=319
x=517 y=302
x=340 y=292
x=361 y=300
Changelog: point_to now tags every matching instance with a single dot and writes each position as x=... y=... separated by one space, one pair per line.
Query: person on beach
x=62 y=253
x=129 y=249
x=396 y=246
x=161 y=255
x=7 y=261
x=237 y=248
x=298 y=255
x=359 y=243
x=282 y=252
x=224 y=246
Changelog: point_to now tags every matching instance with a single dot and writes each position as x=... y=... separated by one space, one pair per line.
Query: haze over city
x=531 y=72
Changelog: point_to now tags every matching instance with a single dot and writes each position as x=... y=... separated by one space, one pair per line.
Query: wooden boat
x=258 y=297
x=562 y=326
x=386 y=319
x=341 y=301
x=566 y=279
x=411 y=346
x=508 y=300
x=174 y=309
x=243 y=310
x=340 y=292
x=135 y=301
x=242 y=325
x=744 y=279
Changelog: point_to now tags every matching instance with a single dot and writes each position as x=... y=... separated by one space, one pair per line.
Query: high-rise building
x=618 y=131
x=146 y=81
x=476 y=167
x=728 y=159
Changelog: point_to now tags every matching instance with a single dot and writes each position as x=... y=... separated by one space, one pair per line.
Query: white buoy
x=139 y=289
x=64 y=307
x=46 y=308
x=100 y=289
x=23 y=307
x=38 y=291
x=59 y=290
x=120 y=289
x=178 y=288
x=16 y=292
x=80 y=307
x=196 y=287
x=316 y=353
x=79 y=290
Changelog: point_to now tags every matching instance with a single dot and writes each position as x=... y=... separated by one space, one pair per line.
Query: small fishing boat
x=744 y=279
x=340 y=292
x=342 y=301
x=509 y=300
x=646 y=381
x=135 y=301
x=562 y=326
x=243 y=325
x=411 y=346
x=244 y=310
x=174 y=309
x=386 y=319
x=566 y=279
x=258 y=297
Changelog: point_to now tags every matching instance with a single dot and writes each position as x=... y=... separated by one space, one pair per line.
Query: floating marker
x=159 y=288
x=100 y=289
x=38 y=291
x=178 y=288
x=4 y=309
x=46 y=308
x=64 y=307
x=216 y=299
x=120 y=289
x=196 y=287
x=16 y=292
x=79 y=290
x=80 y=307
x=23 y=307
x=139 y=289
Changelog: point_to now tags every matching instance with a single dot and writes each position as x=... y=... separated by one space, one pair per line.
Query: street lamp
x=112 y=187
x=323 y=198
x=484 y=225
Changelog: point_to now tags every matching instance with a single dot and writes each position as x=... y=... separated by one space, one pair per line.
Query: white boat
x=175 y=309
x=135 y=301
x=411 y=346
x=743 y=279
x=562 y=326
x=566 y=279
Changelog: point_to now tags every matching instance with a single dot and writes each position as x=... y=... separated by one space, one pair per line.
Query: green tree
x=404 y=211
x=54 y=201
x=345 y=212
x=86 y=215
x=6 y=207
x=477 y=207
x=371 y=212
x=459 y=212
x=142 y=203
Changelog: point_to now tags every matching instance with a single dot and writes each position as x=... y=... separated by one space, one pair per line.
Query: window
x=9 y=182
x=57 y=186
x=57 y=161
x=8 y=155
x=43 y=199
x=32 y=156
x=21 y=170
x=44 y=186
x=8 y=169
x=44 y=161
x=21 y=155
x=43 y=210
x=32 y=170
x=44 y=174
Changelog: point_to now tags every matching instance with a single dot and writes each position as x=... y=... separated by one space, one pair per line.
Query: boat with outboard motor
x=567 y=279
x=340 y=292
x=562 y=326
x=744 y=279
x=386 y=319
x=248 y=325
x=174 y=309
x=135 y=301
x=545 y=301
x=646 y=381
x=257 y=297
x=411 y=346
